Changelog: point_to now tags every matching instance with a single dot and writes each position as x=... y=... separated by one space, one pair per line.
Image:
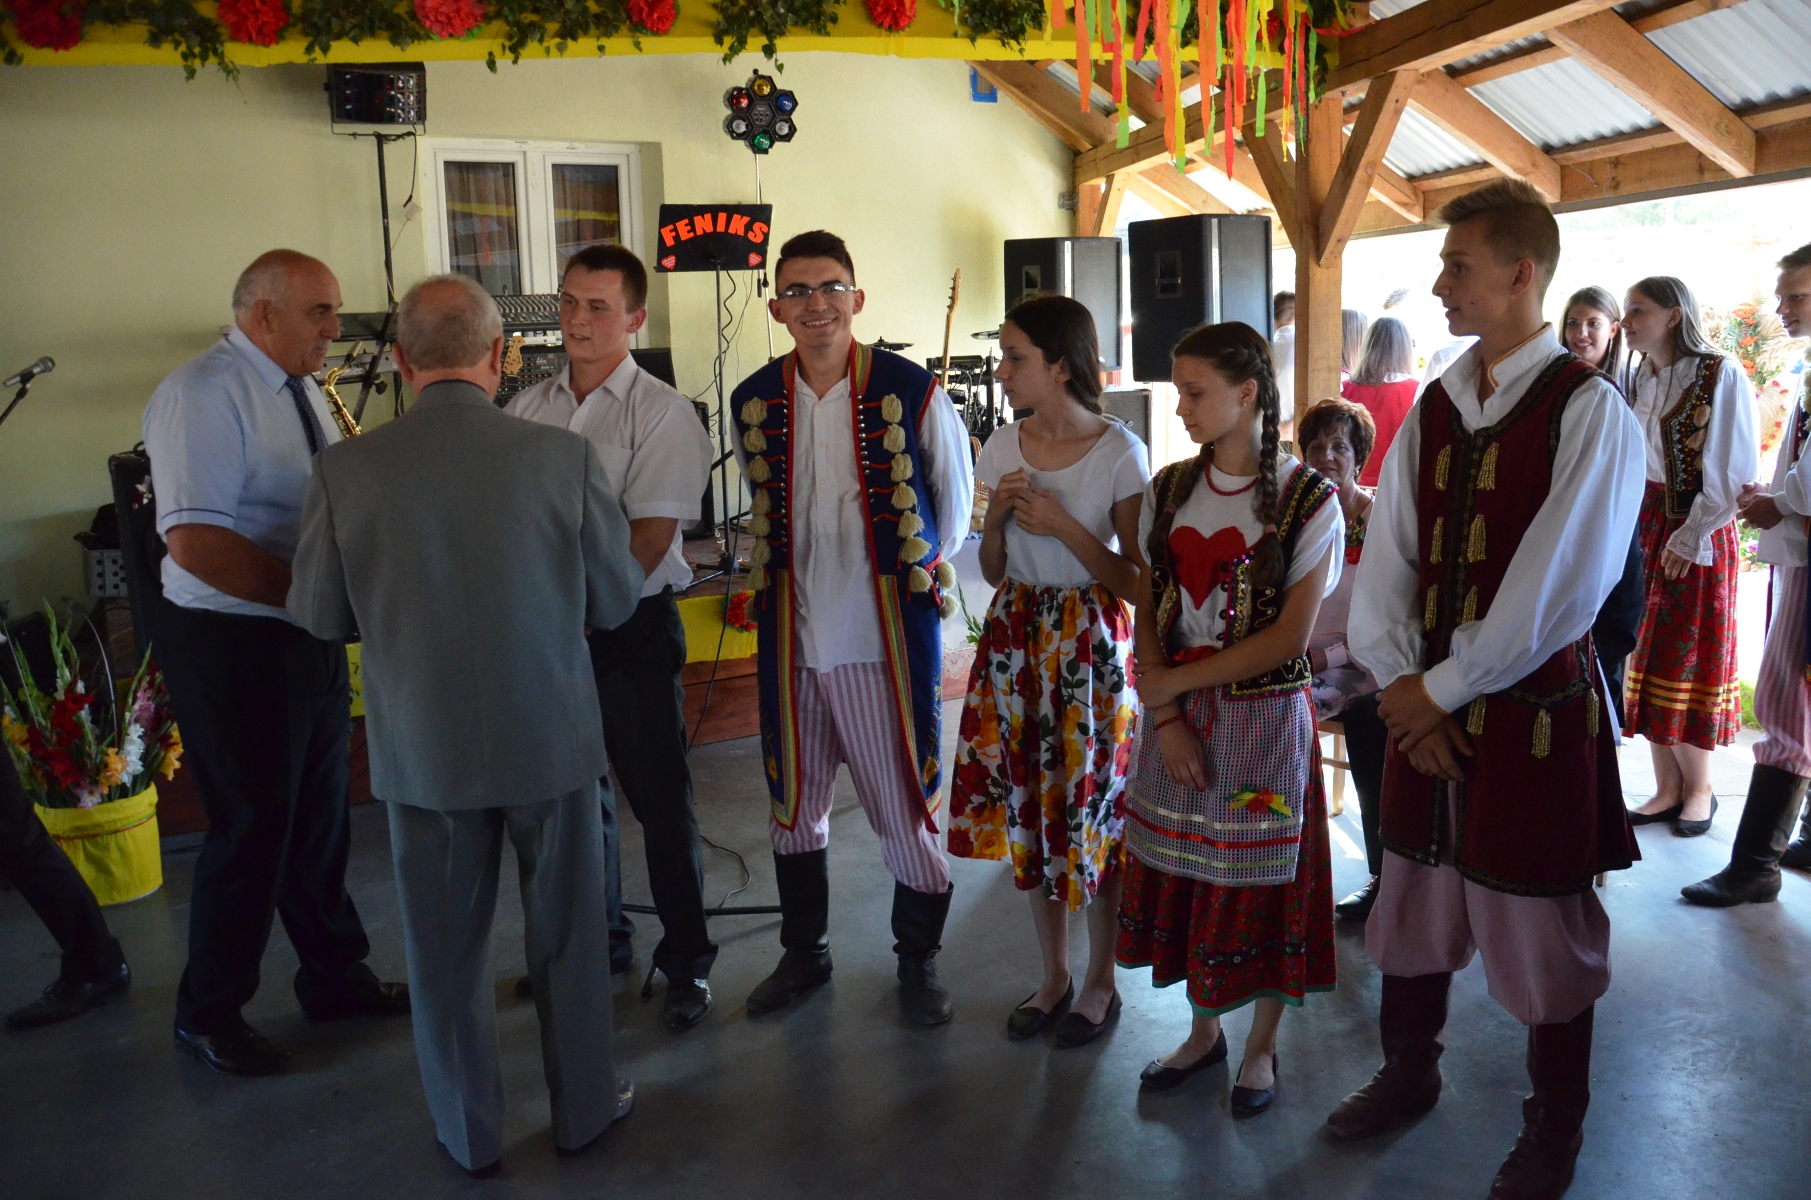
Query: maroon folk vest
x=1540 y=812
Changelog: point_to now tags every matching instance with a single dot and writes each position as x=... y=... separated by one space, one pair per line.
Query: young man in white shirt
x=657 y=459
x=859 y=472
x=1782 y=697
x=1502 y=522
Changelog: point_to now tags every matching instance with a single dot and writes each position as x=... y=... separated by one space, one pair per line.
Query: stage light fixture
x=760 y=113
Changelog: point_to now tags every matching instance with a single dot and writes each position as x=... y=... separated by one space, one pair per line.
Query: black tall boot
x=1753 y=873
x=804 y=884
x=1408 y=1084
x=918 y=927
x=1798 y=854
x=1553 y=1119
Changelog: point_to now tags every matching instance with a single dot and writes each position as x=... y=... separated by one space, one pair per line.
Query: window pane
x=586 y=208
x=483 y=225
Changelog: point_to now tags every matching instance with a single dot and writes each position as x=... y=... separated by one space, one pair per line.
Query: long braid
x=1268 y=569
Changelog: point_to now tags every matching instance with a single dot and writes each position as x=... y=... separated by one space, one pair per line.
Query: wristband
x=1169 y=721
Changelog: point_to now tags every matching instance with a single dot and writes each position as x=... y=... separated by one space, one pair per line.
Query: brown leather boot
x=1559 y=1064
x=1408 y=1084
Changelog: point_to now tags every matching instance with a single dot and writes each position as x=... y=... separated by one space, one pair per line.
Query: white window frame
x=534 y=163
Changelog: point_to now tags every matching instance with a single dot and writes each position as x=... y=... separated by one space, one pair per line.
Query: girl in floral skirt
x=1229 y=885
x=1046 y=735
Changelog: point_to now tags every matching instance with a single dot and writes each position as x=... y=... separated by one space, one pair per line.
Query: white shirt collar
x=619 y=383
x=1507 y=372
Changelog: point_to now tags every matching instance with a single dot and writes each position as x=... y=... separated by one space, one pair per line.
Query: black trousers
x=637 y=666
x=56 y=891
x=1366 y=737
x=264 y=709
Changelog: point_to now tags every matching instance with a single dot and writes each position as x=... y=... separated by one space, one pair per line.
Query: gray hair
x=447 y=321
x=267 y=278
x=1389 y=350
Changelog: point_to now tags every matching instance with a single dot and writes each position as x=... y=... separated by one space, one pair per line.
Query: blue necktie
x=305 y=410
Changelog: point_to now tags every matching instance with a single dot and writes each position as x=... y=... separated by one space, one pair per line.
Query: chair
x=1337 y=760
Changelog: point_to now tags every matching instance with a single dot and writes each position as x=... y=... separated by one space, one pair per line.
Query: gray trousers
x=446 y=873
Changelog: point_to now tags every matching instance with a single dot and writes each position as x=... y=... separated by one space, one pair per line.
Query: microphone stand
x=17 y=396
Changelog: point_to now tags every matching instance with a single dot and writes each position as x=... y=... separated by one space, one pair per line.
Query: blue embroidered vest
x=888 y=395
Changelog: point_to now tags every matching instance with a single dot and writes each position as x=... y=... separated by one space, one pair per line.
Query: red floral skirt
x=1233 y=945
x=1681 y=684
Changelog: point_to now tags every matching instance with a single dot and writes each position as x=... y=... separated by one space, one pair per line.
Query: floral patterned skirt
x=1681 y=681
x=1232 y=945
x=1046 y=739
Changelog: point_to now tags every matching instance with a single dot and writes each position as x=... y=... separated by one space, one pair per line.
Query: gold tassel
x=1471 y=608
x=1475 y=551
x=758 y=471
x=1474 y=719
x=754 y=441
x=1591 y=707
x=1439 y=539
x=761 y=553
x=759 y=526
x=761 y=505
x=902 y=468
x=754 y=412
x=891 y=410
x=919 y=580
x=757 y=578
x=1432 y=616
x=946 y=575
x=949 y=606
x=1442 y=465
x=910 y=523
x=913 y=549
x=1487 y=473
x=893 y=439
x=1543 y=734
x=904 y=497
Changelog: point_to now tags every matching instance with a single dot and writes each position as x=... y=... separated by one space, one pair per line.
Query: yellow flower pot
x=115 y=845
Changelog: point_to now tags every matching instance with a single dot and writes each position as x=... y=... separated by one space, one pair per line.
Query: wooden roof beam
x=1146 y=148
x=1177 y=189
x=1641 y=70
x=1278 y=176
x=1437 y=32
x=1377 y=119
x=1051 y=104
x=1540 y=56
x=1473 y=122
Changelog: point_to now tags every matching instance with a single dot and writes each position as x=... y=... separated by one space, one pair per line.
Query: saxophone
x=341 y=415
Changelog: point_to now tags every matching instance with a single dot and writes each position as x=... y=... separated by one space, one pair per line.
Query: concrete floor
x=1699 y=1071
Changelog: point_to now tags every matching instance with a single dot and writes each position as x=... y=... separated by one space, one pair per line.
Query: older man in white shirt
x=656 y=459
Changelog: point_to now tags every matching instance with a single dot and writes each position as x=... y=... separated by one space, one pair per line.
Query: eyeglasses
x=835 y=290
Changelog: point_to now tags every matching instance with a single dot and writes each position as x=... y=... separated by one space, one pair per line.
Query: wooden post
x=1317 y=279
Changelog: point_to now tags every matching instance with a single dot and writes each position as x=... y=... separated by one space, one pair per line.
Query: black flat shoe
x=241 y=1050
x=63 y=1000
x=686 y=1003
x=1696 y=828
x=1076 y=1030
x=1357 y=906
x=488 y=1172
x=1159 y=1078
x=1027 y=1022
x=1249 y=1102
x=1659 y=818
x=625 y=1104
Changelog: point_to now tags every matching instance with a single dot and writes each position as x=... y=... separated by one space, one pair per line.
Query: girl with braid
x=1228 y=884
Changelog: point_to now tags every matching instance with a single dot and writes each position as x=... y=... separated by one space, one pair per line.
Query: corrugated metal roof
x=1421 y=147
x=1758 y=51
x=1562 y=103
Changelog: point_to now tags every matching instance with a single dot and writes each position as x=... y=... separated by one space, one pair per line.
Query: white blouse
x=1115 y=467
x=1568 y=561
x=1784 y=544
x=1221 y=527
x=1732 y=451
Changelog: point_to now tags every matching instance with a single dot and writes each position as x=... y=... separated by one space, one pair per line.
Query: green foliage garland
x=197 y=38
x=324 y=22
x=556 y=24
x=1006 y=21
x=739 y=20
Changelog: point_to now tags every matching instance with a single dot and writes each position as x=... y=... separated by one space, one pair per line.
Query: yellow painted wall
x=133 y=198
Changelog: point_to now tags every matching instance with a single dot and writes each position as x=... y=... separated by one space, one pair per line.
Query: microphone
x=43 y=366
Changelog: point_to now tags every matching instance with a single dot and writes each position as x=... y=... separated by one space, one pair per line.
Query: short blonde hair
x=447 y=321
x=1518 y=223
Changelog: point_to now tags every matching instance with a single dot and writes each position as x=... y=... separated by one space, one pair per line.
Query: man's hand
x=1439 y=753
x=1041 y=514
x=1409 y=712
x=1757 y=507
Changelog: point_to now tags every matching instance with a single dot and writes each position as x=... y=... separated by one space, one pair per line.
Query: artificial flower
x=449 y=18
x=655 y=16
x=47 y=24
x=255 y=22
x=113 y=769
x=893 y=14
x=172 y=755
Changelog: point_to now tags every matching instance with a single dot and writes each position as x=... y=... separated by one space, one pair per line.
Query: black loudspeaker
x=1191 y=271
x=1131 y=405
x=1084 y=269
x=379 y=93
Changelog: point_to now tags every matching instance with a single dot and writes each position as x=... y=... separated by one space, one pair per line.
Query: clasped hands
x=1039 y=512
x=1757 y=507
x=1434 y=741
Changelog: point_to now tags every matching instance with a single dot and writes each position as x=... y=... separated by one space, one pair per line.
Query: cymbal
x=986 y=335
x=884 y=344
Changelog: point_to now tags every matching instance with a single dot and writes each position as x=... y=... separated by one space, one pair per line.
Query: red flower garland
x=449 y=18
x=255 y=22
x=893 y=15
x=48 y=24
x=655 y=16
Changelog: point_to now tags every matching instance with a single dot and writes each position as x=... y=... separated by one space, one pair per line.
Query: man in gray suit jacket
x=471 y=551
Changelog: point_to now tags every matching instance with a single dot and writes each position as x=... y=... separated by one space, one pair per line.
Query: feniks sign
x=713 y=237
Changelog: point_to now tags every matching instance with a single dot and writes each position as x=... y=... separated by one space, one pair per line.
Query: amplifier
x=1131 y=405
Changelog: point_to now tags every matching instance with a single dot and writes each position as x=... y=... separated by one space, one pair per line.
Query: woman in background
x=1352 y=325
x=1384 y=384
x=1697 y=409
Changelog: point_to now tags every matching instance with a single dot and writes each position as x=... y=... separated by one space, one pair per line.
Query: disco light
x=760 y=113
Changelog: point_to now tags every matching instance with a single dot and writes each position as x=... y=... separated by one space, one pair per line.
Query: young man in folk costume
x=858 y=468
x=1502 y=523
x=1782 y=697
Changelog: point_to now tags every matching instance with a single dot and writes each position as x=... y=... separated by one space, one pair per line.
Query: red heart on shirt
x=670 y=261
x=1203 y=564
